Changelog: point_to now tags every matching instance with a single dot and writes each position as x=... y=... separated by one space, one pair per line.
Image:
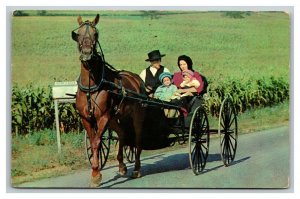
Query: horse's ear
x=96 y=20
x=79 y=20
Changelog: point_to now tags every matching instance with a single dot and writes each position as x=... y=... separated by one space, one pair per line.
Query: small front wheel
x=130 y=153
x=104 y=148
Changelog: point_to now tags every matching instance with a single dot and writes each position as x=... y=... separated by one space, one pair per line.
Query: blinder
x=74 y=36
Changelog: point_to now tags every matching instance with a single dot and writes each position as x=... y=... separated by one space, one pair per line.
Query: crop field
x=221 y=47
x=247 y=58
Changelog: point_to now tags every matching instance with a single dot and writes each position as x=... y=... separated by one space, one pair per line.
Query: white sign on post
x=62 y=92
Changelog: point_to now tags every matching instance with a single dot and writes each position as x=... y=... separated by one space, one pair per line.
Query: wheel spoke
x=229 y=152
x=104 y=145
x=231 y=121
x=232 y=137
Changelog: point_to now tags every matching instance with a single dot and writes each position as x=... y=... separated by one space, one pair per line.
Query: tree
x=42 y=13
x=153 y=14
x=19 y=13
x=236 y=14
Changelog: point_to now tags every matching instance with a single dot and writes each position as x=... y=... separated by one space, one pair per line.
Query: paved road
x=262 y=161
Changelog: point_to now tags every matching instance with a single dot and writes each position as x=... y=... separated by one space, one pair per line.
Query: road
x=262 y=161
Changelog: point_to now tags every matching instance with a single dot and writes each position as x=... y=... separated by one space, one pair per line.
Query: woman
x=185 y=63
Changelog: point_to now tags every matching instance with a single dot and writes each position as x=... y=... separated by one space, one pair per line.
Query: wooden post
x=57 y=126
x=63 y=92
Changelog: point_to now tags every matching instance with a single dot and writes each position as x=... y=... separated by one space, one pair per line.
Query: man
x=151 y=74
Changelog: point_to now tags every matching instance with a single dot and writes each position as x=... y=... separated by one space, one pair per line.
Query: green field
x=221 y=47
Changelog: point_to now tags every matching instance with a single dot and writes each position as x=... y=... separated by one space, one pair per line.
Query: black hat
x=154 y=55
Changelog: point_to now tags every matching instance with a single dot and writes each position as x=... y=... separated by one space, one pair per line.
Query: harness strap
x=123 y=92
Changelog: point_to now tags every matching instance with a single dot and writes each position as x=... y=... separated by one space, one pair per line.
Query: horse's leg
x=96 y=173
x=96 y=176
x=122 y=166
x=138 y=127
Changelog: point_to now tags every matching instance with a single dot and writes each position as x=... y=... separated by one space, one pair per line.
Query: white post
x=57 y=126
x=63 y=92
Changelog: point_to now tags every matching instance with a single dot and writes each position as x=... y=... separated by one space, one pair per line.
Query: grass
x=35 y=156
x=221 y=47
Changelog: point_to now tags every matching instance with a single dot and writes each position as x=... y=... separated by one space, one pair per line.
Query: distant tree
x=153 y=14
x=236 y=14
x=19 y=13
x=42 y=13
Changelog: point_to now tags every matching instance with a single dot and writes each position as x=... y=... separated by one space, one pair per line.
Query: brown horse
x=98 y=108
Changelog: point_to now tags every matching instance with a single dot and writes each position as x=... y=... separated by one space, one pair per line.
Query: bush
x=19 y=13
x=236 y=14
x=33 y=110
x=251 y=94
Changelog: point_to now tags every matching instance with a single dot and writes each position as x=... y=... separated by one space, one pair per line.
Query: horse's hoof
x=96 y=180
x=123 y=170
x=136 y=174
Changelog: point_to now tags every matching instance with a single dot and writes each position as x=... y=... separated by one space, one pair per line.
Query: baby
x=189 y=81
x=189 y=85
x=167 y=89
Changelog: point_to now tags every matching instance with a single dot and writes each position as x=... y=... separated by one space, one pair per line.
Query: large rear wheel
x=198 y=140
x=228 y=131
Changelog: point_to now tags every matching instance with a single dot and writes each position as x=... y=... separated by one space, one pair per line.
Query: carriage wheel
x=104 y=148
x=228 y=131
x=130 y=153
x=198 y=140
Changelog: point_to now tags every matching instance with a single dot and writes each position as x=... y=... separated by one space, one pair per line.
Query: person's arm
x=184 y=90
x=183 y=84
x=195 y=83
x=199 y=78
x=158 y=93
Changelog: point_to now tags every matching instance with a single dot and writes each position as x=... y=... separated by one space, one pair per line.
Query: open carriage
x=112 y=100
x=193 y=128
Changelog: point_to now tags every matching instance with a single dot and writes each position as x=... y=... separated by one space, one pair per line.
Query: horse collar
x=86 y=89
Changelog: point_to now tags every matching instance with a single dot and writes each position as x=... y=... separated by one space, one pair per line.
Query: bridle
x=87 y=36
x=95 y=55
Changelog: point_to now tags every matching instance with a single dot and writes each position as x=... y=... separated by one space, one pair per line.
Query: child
x=189 y=85
x=167 y=89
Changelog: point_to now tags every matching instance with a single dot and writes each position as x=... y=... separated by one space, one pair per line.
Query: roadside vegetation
x=245 y=55
x=35 y=155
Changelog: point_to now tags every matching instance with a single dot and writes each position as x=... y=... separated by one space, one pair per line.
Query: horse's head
x=86 y=37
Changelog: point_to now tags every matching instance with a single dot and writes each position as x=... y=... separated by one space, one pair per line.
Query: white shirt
x=153 y=71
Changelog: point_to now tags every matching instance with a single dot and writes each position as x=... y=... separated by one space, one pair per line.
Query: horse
x=99 y=110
